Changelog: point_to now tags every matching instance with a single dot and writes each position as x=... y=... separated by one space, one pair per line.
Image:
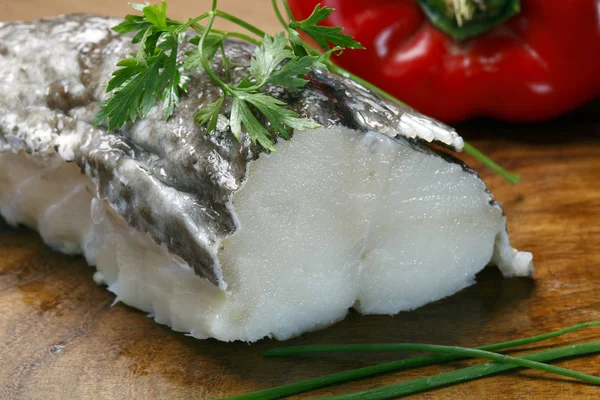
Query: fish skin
x=165 y=178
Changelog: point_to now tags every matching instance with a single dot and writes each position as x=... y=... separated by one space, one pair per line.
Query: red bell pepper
x=537 y=64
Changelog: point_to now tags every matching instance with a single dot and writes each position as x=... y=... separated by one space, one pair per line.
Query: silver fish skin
x=165 y=178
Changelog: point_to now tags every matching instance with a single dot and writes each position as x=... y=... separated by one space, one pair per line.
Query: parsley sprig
x=148 y=75
x=154 y=72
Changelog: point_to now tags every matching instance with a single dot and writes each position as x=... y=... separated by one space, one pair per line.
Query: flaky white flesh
x=335 y=219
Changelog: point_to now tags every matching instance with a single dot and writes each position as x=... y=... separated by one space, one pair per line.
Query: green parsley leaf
x=136 y=97
x=169 y=42
x=241 y=115
x=235 y=119
x=209 y=114
x=289 y=74
x=120 y=76
x=154 y=72
x=139 y=6
x=296 y=42
x=268 y=56
x=147 y=45
x=132 y=23
x=278 y=116
x=101 y=115
x=226 y=62
x=170 y=96
x=140 y=35
x=157 y=15
x=245 y=83
x=193 y=61
x=169 y=86
x=324 y=35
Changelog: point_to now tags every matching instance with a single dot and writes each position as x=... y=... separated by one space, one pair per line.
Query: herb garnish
x=444 y=354
x=154 y=72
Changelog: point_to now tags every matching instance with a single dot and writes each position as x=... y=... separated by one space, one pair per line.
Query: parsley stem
x=347 y=74
x=244 y=37
x=199 y=29
x=232 y=18
x=191 y=22
x=225 y=62
x=203 y=60
x=278 y=14
x=287 y=9
x=413 y=362
x=468 y=374
x=238 y=35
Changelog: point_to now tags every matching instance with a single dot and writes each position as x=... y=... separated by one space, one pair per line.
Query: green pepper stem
x=463 y=19
x=462 y=9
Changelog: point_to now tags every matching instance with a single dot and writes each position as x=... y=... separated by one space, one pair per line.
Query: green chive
x=469 y=373
x=491 y=164
x=360 y=373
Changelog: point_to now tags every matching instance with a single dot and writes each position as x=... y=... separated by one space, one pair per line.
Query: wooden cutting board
x=61 y=338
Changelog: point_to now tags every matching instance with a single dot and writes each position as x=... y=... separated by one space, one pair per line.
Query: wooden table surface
x=60 y=338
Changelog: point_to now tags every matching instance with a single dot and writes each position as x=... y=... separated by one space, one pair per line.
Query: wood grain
x=61 y=338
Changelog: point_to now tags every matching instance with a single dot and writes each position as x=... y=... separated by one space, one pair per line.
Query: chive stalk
x=409 y=363
x=467 y=374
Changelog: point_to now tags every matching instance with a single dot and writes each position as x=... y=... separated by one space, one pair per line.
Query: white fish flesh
x=216 y=239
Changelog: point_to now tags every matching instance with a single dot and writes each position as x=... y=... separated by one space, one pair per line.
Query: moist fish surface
x=215 y=238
